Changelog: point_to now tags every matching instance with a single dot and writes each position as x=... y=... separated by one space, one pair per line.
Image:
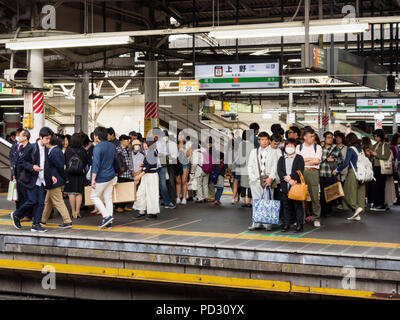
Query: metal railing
x=5 y=165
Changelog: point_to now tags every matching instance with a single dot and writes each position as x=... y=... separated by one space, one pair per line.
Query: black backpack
x=75 y=164
x=119 y=163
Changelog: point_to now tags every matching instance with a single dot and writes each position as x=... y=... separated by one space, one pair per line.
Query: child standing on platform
x=218 y=178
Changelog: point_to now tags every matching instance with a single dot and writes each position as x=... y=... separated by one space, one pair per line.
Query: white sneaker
x=268 y=227
x=183 y=201
x=178 y=201
x=317 y=224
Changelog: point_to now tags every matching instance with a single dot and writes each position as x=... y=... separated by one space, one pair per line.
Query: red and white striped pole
x=150 y=96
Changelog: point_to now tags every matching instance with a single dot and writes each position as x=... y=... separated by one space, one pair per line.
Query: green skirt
x=354 y=192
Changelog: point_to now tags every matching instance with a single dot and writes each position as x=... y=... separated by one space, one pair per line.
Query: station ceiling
x=79 y=16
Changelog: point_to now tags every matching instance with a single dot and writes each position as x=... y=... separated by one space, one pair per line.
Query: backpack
x=75 y=164
x=364 y=172
x=119 y=162
x=315 y=147
x=207 y=166
x=216 y=173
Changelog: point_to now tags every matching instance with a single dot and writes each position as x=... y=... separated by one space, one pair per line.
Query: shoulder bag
x=386 y=165
x=299 y=191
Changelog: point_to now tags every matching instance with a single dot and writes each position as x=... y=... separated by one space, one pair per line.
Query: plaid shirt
x=325 y=169
x=128 y=162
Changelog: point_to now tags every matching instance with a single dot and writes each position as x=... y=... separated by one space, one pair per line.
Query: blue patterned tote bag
x=266 y=211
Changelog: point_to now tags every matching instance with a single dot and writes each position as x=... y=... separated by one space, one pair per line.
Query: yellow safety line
x=4 y=212
x=333 y=292
x=147 y=275
x=183 y=278
x=226 y=235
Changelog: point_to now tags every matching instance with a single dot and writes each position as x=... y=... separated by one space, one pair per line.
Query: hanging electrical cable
x=296 y=13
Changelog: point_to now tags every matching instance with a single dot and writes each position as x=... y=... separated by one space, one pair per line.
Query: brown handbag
x=299 y=191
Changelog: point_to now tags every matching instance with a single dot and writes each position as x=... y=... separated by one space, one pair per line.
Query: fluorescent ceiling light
x=178 y=71
x=72 y=41
x=187 y=64
x=294 y=60
x=64 y=83
x=289 y=31
x=359 y=89
x=271 y=91
x=175 y=37
x=260 y=52
x=11 y=99
x=309 y=77
x=179 y=94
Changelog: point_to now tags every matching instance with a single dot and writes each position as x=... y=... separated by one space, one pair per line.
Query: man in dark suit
x=54 y=196
x=13 y=158
x=33 y=174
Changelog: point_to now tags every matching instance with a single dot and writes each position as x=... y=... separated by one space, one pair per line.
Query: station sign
x=291 y=119
x=318 y=58
x=378 y=121
x=245 y=75
x=49 y=110
x=346 y=66
x=377 y=104
x=349 y=67
x=188 y=86
x=11 y=91
x=1 y=86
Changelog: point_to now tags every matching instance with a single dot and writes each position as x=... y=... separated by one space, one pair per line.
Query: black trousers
x=292 y=210
x=243 y=192
x=171 y=183
x=326 y=207
x=396 y=184
x=376 y=189
x=21 y=198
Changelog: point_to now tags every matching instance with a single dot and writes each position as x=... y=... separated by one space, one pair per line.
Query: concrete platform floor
x=377 y=234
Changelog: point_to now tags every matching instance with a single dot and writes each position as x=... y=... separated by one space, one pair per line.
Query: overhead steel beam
x=189 y=30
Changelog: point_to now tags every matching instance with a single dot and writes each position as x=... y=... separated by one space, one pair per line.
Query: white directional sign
x=238 y=75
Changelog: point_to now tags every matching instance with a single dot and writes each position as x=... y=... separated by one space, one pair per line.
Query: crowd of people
x=173 y=170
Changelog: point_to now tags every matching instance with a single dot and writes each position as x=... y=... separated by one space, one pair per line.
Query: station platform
x=202 y=245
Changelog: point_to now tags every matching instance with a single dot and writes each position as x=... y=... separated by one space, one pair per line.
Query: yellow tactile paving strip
x=168 y=231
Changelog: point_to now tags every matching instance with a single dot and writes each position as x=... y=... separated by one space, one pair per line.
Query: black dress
x=76 y=182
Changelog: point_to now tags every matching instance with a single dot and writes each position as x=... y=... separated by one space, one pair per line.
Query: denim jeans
x=218 y=193
x=34 y=203
x=163 y=186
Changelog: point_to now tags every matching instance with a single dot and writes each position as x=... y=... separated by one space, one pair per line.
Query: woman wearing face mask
x=288 y=165
x=137 y=158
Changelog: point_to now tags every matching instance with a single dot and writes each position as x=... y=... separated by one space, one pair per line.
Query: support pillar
x=151 y=119
x=289 y=119
x=396 y=117
x=307 y=33
x=81 y=104
x=35 y=77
